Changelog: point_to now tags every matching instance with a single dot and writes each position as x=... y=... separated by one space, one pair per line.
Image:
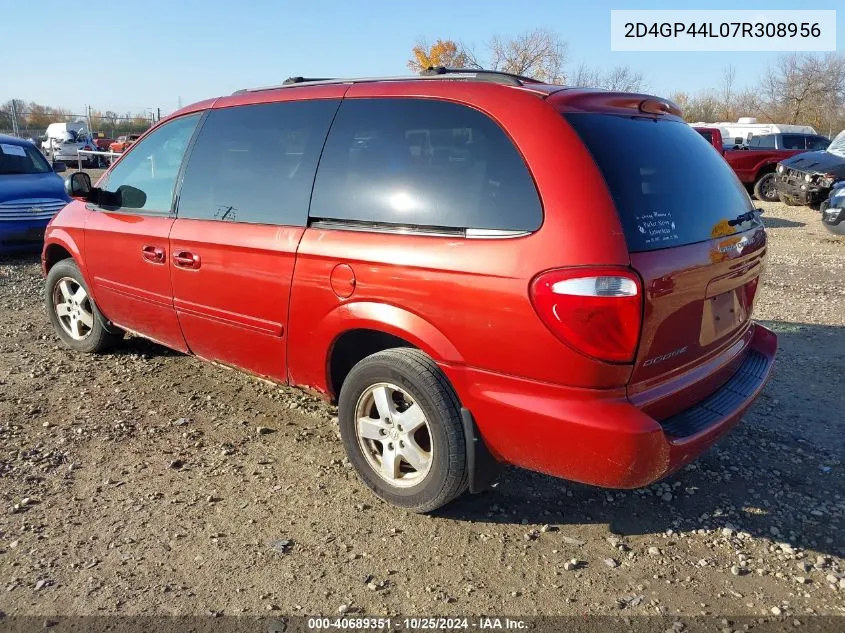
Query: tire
x=764 y=188
x=409 y=379
x=79 y=323
x=787 y=200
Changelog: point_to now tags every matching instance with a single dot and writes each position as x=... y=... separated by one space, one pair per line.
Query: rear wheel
x=401 y=427
x=764 y=188
x=74 y=314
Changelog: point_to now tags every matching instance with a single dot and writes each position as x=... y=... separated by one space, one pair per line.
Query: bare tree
x=726 y=92
x=804 y=88
x=618 y=78
x=540 y=54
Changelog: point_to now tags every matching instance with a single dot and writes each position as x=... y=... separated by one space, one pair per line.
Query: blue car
x=31 y=193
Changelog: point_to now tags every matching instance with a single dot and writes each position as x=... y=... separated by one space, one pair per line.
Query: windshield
x=837 y=145
x=669 y=187
x=22 y=159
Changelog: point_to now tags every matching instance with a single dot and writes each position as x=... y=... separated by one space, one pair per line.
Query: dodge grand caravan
x=480 y=269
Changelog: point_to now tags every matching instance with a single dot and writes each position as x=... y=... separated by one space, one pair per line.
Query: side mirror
x=131 y=197
x=59 y=167
x=78 y=185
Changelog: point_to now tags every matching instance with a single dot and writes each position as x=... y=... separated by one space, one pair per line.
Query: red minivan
x=480 y=269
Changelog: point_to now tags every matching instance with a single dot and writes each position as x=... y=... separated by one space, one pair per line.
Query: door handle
x=153 y=254
x=185 y=259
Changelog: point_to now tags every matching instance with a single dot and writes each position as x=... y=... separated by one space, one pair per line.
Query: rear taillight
x=596 y=311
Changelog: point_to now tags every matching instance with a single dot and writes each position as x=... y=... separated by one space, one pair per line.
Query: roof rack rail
x=305 y=80
x=481 y=74
x=432 y=72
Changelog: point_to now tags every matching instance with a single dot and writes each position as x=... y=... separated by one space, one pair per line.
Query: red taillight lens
x=596 y=311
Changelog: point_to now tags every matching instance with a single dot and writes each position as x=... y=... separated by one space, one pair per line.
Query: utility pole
x=15 y=129
x=88 y=115
x=158 y=114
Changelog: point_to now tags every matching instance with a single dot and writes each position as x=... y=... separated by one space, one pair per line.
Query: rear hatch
x=694 y=239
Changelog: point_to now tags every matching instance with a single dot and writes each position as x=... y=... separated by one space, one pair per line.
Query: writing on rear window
x=657 y=227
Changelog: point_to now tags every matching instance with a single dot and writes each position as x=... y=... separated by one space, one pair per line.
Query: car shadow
x=780 y=223
x=778 y=475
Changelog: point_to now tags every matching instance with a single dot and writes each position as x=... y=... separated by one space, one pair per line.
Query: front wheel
x=764 y=188
x=788 y=201
x=400 y=423
x=74 y=314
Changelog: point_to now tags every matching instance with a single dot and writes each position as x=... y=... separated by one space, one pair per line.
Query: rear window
x=669 y=187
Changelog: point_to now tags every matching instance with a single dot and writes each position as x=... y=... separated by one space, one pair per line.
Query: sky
x=157 y=53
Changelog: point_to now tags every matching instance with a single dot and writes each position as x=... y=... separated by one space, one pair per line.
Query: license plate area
x=723 y=314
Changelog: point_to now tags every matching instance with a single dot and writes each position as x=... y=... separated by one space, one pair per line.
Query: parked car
x=102 y=141
x=478 y=267
x=809 y=178
x=123 y=142
x=833 y=209
x=802 y=142
x=755 y=166
x=31 y=193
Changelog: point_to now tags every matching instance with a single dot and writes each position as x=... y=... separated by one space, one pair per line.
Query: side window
x=816 y=143
x=794 y=141
x=422 y=162
x=256 y=163
x=153 y=164
x=767 y=141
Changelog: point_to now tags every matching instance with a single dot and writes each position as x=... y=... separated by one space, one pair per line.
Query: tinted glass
x=256 y=163
x=669 y=187
x=706 y=134
x=153 y=163
x=21 y=159
x=767 y=141
x=794 y=141
x=419 y=162
x=816 y=143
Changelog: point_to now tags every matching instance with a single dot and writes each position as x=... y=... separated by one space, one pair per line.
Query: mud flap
x=482 y=466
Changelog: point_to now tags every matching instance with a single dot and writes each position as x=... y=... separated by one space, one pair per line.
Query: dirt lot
x=138 y=482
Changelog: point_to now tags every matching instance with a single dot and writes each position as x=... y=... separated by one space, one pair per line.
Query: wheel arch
x=60 y=245
x=766 y=168
x=355 y=330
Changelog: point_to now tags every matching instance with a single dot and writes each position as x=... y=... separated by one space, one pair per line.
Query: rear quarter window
x=423 y=163
x=669 y=187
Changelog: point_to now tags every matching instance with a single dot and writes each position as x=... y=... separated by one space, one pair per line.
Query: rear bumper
x=600 y=437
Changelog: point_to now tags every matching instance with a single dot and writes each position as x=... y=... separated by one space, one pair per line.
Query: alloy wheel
x=394 y=435
x=73 y=308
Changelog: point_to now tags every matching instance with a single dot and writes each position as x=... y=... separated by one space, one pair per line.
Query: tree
x=619 y=78
x=442 y=53
x=540 y=54
x=726 y=93
x=805 y=88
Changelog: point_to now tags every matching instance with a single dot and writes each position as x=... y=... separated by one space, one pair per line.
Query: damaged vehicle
x=808 y=178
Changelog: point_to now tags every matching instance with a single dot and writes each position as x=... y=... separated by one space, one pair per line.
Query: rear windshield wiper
x=745 y=217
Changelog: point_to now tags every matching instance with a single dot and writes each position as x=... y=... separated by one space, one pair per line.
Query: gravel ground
x=149 y=482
